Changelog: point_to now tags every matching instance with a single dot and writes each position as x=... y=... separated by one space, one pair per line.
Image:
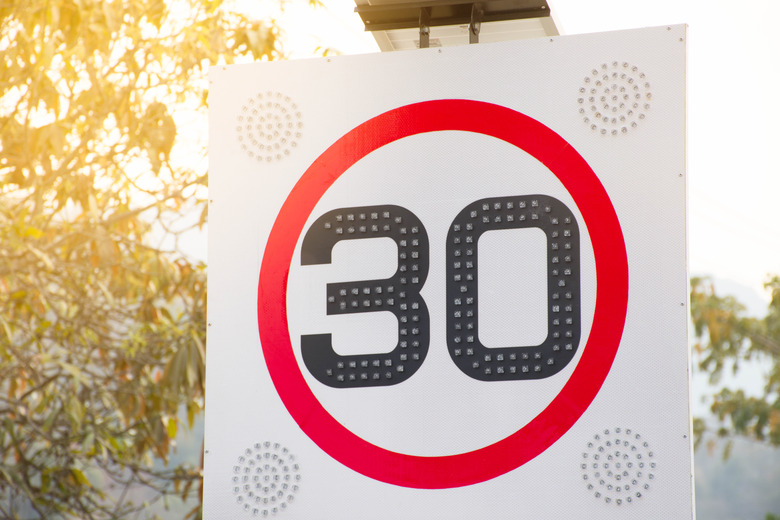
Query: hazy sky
x=733 y=113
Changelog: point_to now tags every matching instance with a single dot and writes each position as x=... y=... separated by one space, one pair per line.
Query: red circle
x=579 y=391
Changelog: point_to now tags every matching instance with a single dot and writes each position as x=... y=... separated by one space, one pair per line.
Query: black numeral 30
x=400 y=294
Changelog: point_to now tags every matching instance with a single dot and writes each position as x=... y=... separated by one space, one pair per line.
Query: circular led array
x=269 y=126
x=614 y=98
x=265 y=479
x=618 y=466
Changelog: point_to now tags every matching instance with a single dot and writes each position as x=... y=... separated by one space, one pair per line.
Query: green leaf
x=45 y=479
x=50 y=418
x=75 y=411
x=74 y=371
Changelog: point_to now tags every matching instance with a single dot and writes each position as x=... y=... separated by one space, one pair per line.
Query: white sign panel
x=451 y=283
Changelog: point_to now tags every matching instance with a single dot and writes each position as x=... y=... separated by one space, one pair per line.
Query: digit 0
x=563 y=288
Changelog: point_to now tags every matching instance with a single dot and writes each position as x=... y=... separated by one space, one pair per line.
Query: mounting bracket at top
x=476 y=22
x=409 y=24
x=425 y=27
x=382 y=16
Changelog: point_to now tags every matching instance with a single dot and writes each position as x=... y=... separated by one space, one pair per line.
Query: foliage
x=725 y=338
x=102 y=329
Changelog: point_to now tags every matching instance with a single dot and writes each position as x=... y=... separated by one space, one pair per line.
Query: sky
x=733 y=114
x=733 y=110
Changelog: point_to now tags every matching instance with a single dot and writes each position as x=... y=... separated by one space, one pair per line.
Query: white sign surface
x=451 y=283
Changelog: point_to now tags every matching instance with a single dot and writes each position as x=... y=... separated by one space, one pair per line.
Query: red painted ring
x=602 y=344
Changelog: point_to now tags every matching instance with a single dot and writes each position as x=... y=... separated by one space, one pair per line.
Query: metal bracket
x=425 y=27
x=475 y=24
x=388 y=15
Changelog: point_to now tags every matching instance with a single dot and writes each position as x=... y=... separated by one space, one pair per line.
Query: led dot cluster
x=614 y=98
x=563 y=288
x=618 y=466
x=265 y=479
x=398 y=294
x=269 y=126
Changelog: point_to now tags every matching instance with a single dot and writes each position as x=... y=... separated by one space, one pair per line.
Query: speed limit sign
x=451 y=282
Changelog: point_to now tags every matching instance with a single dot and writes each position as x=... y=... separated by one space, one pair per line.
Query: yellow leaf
x=32 y=232
x=172 y=427
x=43 y=257
x=93 y=207
x=47 y=52
x=80 y=477
x=108 y=12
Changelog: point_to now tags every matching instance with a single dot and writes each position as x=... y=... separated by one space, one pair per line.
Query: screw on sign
x=400 y=294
